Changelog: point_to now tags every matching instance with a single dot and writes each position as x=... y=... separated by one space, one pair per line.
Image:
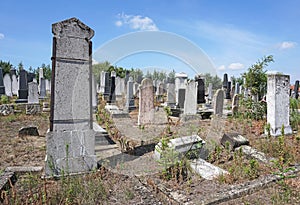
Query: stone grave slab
x=235 y=140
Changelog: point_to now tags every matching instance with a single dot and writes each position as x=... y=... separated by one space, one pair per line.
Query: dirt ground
x=149 y=189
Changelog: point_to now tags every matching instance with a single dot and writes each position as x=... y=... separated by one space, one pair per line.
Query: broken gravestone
x=234 y=139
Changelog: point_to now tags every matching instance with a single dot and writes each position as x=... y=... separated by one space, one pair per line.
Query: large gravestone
x=2 y=88
x=42 y=88
x=190 y=103
x=296 y=89
x=33 y=96
x=171 y=100
x=146 y=102
x=225 y=81
x=71 y=139
x=112 y=95
x=120 y=84
x=218 y=103
x=7 y=84
x=23 y=87
x=180 y=84
x=106 y=93
x=181 y=98
x=102 y=82
x=228 y=91
x=129 y=95
x=200 y=90
x=278 y=104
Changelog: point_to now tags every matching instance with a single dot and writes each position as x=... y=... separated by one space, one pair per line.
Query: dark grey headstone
x=112 y=95
x=42 y=88
x=200 y=91
x=2 y=88
x=296 y=89
x=23 y=86
x=181 y=98
x=30 y=77
x=234 y=140
x=228 y=91
x=225 y=81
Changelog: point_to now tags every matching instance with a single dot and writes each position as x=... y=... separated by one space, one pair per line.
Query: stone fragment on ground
x=234 y=139
x=31 y=131
x=253 y=153
x=206 y=170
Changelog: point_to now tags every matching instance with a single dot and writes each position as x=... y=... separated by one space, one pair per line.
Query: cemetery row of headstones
x=24 y=86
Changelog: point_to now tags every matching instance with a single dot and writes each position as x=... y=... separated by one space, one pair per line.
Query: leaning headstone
x=129 y=95
x=42 y=88
x=14 y=82
x=146 y=103
x=171 y=100
x=200 y=90
x=33 y=96
x=2 y=88
x=278 y=103
x=71 y=139
x=228 y=90
x=23 y=87
x=235 y=104
x=296 y=89
x=218 y=103
x=190 y=103
x=7 y=84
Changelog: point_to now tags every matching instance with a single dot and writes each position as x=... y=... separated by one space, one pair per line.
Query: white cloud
x=236 y=66
x=1 y=36
x=222 y=67
x=286 y=45
x=137 y=22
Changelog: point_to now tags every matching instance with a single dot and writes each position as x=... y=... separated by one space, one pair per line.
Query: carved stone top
x=72 y=27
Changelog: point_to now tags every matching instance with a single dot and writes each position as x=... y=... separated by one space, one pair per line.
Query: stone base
x=70 y=152
x=21 y=101
x=277 y=131
x=32 y=109
x=188 y=117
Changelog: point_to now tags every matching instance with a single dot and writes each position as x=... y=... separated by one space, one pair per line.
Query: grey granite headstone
x=71 y=139
x=181 y=98
x=180 y=83
x=225 y=81
x=129 y=95
x=200 y=90
x=2 y=88
x=228 y=91
x=120 y=85
x=94 y=95
x=30 y=77
x=237 y=88
x=235 y=104
x=296 y=89
x=33 y=96
x=102 y=82
x=146 y=102
x=42 y=88
x=190 y=103
x=112 y=95
x=136 y=88
x=7 y=84
x=48 y=85
x=278 y=103
x=218 y=103
x=106 y=86
x=171 y=100
x=210 y=91
x=23 y=87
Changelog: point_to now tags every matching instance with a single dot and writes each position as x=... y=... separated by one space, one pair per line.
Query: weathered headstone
x=2 y=88
x=200 y=90
x=190 y=103
x=237 y=88
x=106 y=93
x=120 y=85
x=23 y=87
x=42 y=88
x=136 y=88
x=146 y=102
x=71 y=139
x=171 y=101
x=129 y=95
x=94 y=95
x=296 y=89
x=278 y=110
x=160 y=92
x=33 y=96
x=225 y=81
x=102 y=82
x=181 y=98
x=235 y=104
x=7 y=84
x=228 y=90
x=48 y=85
x=14 y=83
x=180 y=84
x=218 y=103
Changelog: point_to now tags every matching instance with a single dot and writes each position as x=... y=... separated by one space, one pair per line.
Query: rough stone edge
x=17 y=169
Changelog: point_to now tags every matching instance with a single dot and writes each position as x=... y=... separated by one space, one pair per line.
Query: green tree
x=256 y=78
x=215 y=80
x=99 y=67
x=6 y=66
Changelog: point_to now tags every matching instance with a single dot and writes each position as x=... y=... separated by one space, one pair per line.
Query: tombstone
x=235 y=104
x=146 y=102
x=180 y=85
x=278 y=104
x=200 y=90
x=33 y=96
x=7 y=84
x=112 y=95
x=106 y=93
x=48 y=85
x=218 y=103
x=41 y=74
x=42 y=88
x=30 y=77
x=296 y=89
x=23 y=87
x=210 y=91
x=160 y=92
x=94 y=95
x=71 y=139
x=190 y=103
x=102 y=82
x=225 y=81
x=120 y=84
x=237 y=88
x=129 y=95
x=2 y=88
x=14 y=82
x=171 y=100
x=135 y=88
x=228 y=91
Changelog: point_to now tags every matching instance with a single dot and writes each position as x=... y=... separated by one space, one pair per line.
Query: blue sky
x=232 y=34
